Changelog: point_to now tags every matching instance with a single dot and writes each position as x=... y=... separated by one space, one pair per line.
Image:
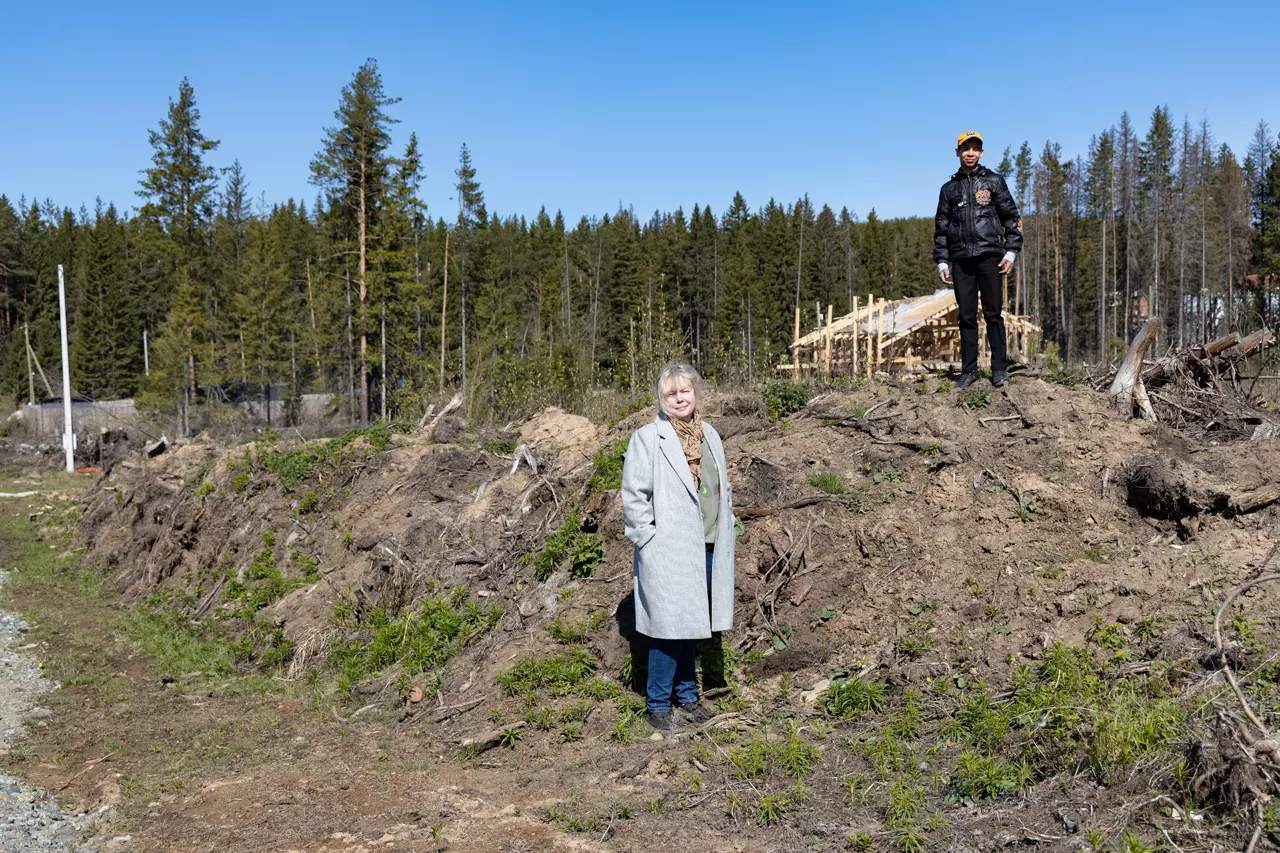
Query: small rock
x=1128 y=615
x=656 y=736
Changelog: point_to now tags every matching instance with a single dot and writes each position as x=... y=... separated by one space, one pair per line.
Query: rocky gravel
x=30 y=821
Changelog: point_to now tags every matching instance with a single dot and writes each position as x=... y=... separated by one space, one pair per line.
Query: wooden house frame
x=894 y=336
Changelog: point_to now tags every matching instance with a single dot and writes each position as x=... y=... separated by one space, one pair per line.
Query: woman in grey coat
x=677 y=506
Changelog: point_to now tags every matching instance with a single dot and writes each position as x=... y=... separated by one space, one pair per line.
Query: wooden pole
x=871 y=335
x=879 y=332
x=827 y=367
x=795 y=348
x=855 y=336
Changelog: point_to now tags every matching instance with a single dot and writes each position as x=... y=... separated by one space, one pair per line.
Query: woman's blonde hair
x=671 y=375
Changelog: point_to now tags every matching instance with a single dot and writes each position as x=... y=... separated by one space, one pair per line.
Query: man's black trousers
x=975 y=278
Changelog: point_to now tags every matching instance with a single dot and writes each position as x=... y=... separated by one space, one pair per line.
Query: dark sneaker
x=663 y=721
x=695 y=713
x=999 y=378
x=966 y=380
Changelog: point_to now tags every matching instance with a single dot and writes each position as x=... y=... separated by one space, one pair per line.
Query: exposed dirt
x=967 y=542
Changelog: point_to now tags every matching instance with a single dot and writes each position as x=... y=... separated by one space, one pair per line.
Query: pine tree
x=107 y=352
x=180 y=187
x=351 y=168
x=471 y=218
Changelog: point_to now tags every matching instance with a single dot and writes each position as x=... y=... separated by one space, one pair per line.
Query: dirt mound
x=558 y=435
x=930 y=539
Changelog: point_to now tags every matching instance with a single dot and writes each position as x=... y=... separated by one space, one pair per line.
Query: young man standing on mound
x=977 y=235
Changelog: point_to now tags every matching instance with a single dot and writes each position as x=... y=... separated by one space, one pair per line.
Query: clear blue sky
x=582 y=106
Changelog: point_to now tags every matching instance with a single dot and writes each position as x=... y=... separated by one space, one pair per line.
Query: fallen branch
x=798 y=503
x=985 y=421
x=1027 y=421
x=1221 y=654
x=88 y=765
x=455 y=710
x=490 y=739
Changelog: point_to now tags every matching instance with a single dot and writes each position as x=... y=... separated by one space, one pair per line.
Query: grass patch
x=560 y=674
x=851 y=697
x=427 y=637
x=569 y=546
x=570 y=633
x=294 y=467
x=262 y=583
x=500 y=446
x=606 y=467
x=831 y=482
x=179 y=645
x=977 y=399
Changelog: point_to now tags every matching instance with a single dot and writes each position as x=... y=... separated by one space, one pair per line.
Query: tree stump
x=1127 y=389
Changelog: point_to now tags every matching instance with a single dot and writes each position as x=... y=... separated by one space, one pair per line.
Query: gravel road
x=30 y=821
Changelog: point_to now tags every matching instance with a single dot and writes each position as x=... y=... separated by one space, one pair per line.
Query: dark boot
x=966 y=380
x=663 y=721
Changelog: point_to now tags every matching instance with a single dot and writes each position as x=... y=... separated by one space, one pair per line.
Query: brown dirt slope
x=971 y=533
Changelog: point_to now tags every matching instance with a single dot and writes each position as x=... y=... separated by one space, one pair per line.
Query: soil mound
x=930 y=539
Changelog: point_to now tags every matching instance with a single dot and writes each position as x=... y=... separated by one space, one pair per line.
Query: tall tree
x=471 y=218
x=351 y=168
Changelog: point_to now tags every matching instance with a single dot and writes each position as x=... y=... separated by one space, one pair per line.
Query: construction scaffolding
x=914 y=335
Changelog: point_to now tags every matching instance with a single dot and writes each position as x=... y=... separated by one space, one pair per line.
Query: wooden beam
x=795 y=350
x=826 y=374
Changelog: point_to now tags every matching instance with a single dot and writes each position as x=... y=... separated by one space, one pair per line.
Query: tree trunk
x=364 y=293
x=1125 y=389
x=351 y=353
x=311 y=306
x=444 y=306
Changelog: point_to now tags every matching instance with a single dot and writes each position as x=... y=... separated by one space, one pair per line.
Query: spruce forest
x=364 y=294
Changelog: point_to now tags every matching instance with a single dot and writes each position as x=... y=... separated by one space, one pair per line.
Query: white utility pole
x=68 y=437
x=146 y=354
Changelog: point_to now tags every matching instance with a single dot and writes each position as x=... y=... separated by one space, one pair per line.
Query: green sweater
x=709 y=495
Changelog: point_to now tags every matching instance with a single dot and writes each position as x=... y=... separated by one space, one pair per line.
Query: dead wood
x=1162 y=488
x=430 y=426
x=1162 y=370
x=1265 y=431
x=490 y=739
x=798 y=503
x=1129 y=374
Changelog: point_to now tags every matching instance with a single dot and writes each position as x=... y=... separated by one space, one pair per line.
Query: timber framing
x=916 y=335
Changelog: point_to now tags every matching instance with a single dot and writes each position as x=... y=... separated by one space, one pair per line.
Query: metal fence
x=44 y=421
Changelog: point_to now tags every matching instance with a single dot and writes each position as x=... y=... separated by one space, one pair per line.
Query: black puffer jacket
x=976 y=217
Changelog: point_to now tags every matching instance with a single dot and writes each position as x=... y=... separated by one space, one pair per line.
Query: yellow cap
x=967 y=135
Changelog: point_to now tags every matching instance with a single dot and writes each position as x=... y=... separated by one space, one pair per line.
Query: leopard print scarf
x=690 y=434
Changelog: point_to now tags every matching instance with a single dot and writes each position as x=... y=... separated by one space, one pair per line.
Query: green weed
x=606 y=467
x=978 y=398
x=500 y=446
x=570 y=545
x=785 y=398
x=852 y=696
x=559 y=674
x=831 y=482
x=426 y=639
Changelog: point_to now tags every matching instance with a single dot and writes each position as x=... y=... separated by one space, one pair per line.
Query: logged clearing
x=964 y=621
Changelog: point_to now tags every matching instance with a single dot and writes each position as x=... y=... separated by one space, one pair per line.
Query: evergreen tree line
x=365 y=296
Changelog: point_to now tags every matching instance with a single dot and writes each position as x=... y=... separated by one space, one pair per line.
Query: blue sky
x=585 y=106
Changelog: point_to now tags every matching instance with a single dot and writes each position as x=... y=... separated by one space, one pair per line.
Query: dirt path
x=29 y=819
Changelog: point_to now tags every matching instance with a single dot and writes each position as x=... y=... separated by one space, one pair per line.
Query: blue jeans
x=672 y=669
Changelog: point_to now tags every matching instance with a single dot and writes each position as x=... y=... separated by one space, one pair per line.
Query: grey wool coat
x=663 y=520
